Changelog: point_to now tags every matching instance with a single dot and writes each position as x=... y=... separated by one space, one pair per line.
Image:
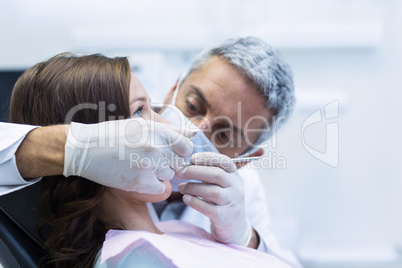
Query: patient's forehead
x=137 y=90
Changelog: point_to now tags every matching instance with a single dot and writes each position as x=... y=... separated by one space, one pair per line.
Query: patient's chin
x=151 y=198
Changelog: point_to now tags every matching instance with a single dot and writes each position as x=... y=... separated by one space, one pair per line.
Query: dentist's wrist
x=41 y=153
x=254 y=239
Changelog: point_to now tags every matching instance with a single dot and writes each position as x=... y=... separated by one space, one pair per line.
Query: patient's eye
x=138 y=113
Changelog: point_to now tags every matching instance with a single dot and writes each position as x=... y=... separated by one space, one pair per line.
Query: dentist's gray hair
x=263 y=67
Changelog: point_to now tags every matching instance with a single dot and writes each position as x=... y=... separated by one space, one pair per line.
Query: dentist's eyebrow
x=202 y=97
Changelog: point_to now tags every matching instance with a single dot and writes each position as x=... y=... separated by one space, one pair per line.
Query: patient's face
x=218 y=100
x=140 y=107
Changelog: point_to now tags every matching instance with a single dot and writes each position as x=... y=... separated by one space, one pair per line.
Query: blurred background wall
x=349 y=51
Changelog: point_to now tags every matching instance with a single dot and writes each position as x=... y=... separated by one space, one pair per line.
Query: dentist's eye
x=191 y=107
x=223 y=140
x=138 y=113
x=223 y=137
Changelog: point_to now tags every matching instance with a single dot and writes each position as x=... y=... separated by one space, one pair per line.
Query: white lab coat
x=257 y=213
x=11 y=136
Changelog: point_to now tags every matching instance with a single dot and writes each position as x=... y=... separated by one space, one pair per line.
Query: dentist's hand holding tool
x=220 y=196
x=131 y=154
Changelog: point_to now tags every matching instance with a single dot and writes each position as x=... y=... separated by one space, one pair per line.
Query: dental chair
x=20 y=243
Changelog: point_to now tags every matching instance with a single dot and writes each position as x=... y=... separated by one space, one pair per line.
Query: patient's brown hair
x=44 y=95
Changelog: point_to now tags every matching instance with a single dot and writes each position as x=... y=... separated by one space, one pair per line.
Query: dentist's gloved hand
x=131 y=154
x=220 y=197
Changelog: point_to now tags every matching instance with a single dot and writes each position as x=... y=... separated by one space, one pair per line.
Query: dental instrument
x=235 y=160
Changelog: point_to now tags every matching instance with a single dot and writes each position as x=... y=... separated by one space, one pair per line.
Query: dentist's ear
x=259 y=152
x=169 y=96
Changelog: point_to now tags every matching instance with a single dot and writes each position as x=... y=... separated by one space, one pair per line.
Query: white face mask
x=200 y=141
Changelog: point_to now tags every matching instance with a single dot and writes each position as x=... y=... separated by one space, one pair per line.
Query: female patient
x=81 y=212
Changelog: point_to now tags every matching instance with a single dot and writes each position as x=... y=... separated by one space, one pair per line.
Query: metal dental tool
x=235 y=160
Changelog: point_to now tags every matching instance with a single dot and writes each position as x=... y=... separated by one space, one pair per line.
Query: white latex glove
x=131 y=154
x=220 y=197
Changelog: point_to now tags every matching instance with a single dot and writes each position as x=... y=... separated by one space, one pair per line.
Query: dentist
x=237 y=93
